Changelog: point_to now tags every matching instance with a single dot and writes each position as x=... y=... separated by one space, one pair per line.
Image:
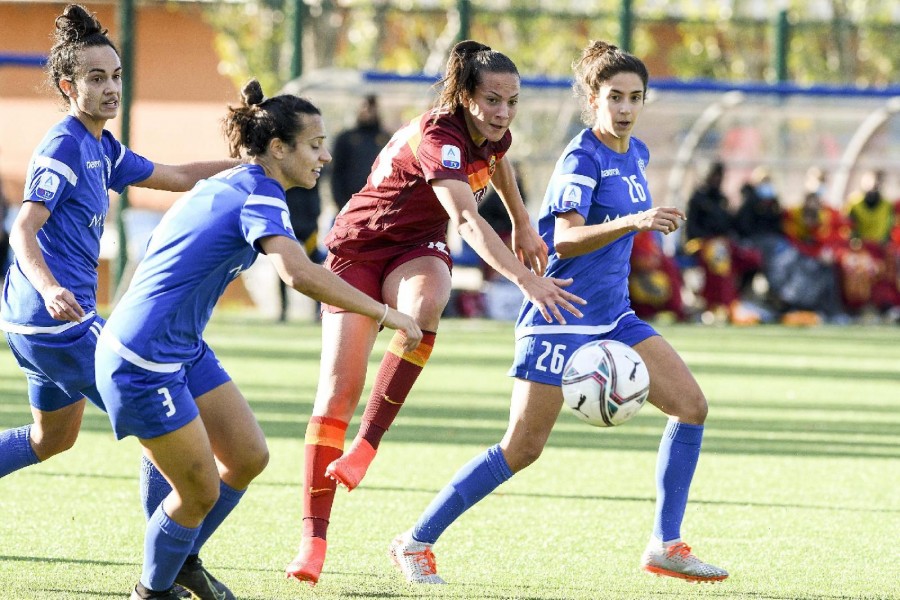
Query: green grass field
x=797 y=493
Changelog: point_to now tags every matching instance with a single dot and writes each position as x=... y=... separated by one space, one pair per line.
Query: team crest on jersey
x=571 y=197
x=492 y=165
x=641 y=167
x=47 y=185
x=451 y=157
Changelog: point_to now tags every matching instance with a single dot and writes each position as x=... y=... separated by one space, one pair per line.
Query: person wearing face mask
x=759 y=215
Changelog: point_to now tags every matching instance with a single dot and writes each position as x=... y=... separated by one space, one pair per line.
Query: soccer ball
x=605 y=383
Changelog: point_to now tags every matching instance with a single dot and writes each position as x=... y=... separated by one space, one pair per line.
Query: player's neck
x=612 y=141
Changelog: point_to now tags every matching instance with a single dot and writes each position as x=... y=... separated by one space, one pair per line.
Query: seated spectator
x=655 y=280
x=804 y=275
x=727 y=265
x=758 y=219
x=876 y=246
x=871 y=215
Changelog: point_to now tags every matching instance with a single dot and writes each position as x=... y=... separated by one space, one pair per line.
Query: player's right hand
x=547 y=294
x=61 y=304
x=405 y=323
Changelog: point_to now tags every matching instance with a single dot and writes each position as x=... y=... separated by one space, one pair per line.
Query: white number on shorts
x=557 y=360
x=164 y=392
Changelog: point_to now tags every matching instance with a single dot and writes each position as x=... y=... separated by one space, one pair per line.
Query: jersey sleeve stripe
x=578 y=179
x=121 y=155
x=255 y=199
x=58 y=167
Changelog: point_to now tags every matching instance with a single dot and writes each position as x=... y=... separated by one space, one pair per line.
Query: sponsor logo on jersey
x=451 y=157
x=609 y=218
x=93 y=164
x=47 y=185
x=479 y=195
x=641 y=166
x=97 y=220
x=609 y=172
x=571 y=197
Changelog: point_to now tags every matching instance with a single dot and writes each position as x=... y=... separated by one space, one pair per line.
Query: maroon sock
x=396 y=376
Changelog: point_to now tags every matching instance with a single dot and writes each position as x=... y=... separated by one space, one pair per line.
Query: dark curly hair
x=259 y=120
x=76 y=29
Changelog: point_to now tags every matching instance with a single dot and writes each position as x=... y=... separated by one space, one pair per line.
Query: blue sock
x=228 y=499
x=154 y=487
x=679 y=451
x=15 y=450
x=166 y=545
x=481 y=476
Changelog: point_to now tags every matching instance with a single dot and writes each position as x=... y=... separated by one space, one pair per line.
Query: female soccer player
x=390 y=242
x=48 y=309
x=159 y=379
x=596 y=200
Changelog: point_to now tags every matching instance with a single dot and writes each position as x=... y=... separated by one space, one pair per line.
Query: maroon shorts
x=369 y=275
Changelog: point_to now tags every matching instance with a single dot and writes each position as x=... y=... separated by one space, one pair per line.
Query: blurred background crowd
x=775 y=130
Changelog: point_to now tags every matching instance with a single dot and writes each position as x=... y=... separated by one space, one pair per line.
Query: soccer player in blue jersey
x=597 y=199
x=48 y=309
x=159 y=379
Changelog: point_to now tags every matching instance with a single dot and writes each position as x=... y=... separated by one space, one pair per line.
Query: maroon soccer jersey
x=397 y=209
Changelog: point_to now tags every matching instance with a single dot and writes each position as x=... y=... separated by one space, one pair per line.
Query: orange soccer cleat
x=349 y=469
x=308 y=564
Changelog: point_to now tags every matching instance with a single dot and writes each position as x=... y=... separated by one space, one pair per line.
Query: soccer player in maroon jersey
x=390 y=241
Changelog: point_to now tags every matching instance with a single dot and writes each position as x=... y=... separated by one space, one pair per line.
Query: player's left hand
x=530 y=248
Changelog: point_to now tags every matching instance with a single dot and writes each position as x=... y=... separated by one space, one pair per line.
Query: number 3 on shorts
x=167 y=402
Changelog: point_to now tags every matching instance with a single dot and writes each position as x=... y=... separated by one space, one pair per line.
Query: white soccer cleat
x=676 y=560
x=414 y=559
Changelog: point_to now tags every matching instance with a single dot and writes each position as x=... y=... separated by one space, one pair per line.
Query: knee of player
x=256 y=461
x=50 y=442
x=522 y=454
x=693 y=409
x=204 y=498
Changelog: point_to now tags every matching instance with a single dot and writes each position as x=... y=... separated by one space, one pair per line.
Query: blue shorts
x=59 y=366
x=541 y=355
x=148 y=404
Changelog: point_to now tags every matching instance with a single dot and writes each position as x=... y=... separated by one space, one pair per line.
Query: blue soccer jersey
x=601 y=185
x=71 y=173
x=203 y=243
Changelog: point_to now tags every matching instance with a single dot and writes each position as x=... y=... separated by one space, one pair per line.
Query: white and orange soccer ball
x=605 y=383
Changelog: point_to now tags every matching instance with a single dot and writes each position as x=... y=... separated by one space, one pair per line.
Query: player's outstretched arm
x=181 y=178
x=546 y=293
x=317 y=282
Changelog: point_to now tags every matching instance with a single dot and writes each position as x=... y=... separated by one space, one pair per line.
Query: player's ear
x=276 y=148
x=68 y=88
